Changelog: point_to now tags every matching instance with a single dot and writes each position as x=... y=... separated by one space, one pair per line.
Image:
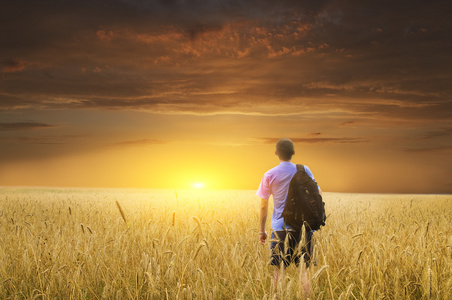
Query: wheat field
x=180 y=244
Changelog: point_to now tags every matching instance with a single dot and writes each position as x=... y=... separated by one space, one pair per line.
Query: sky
x=178 y=93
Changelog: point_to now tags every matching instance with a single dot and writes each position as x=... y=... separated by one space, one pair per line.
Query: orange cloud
x=104 y=35
x=141 y=142
x=13 y=65
x=315 y=140
x=23 y=126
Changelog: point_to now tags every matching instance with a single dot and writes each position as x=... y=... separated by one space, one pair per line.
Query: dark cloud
x=13 y=65
x=32 y=140
x=347 y=123
x=343 y=140
x=197 y=30
x=443 y=132
x=24 y=148
x=142 y=142
x=23 y=126
x=430 y=150
x=262 y=57
x=41 y=140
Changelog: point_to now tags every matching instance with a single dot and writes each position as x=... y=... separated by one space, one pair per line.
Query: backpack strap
x=300 y=167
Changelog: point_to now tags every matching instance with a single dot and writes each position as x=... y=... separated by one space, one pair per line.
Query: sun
x=198 y=185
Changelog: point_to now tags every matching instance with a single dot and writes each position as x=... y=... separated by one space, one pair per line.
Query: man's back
x=276 y=182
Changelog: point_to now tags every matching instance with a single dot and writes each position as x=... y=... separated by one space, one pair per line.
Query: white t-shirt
x=276 y=182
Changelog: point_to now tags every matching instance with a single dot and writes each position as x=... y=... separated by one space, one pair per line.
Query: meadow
x=201 y=244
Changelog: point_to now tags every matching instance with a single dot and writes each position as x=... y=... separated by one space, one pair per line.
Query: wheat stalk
x=319 y=272
x=349 y=290
x=198 y=249
x=199 y=225
x=121 y=211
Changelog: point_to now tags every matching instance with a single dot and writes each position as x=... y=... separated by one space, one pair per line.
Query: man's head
x=285 y=149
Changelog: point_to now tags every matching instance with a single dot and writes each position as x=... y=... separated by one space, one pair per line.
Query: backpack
x=304 y=204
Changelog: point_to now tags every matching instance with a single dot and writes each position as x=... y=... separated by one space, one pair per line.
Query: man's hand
x=262 y=220
x=262 y=237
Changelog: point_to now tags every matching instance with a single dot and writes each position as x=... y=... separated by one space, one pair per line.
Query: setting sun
x=198 y=185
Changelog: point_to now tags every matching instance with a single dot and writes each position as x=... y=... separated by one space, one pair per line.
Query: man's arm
x=262 y=220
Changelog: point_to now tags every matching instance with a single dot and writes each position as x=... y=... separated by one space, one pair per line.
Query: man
x=276 y=182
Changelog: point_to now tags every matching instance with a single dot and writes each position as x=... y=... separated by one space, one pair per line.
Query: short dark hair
x=285 y=149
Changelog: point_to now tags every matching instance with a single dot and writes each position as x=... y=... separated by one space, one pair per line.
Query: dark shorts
x=292 y=254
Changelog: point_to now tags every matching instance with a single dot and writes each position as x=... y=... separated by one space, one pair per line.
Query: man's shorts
x=292 y=254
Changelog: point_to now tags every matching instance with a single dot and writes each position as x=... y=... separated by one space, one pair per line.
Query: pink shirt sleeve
x=264 y=190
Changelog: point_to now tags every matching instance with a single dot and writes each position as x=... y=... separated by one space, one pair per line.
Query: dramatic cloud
x=431 y=150
x=443 y=132
x=23 y=126
x=47 y=140
x=229 y=56
x=315 y=134
x=347 y=123
x=343 y=140
x=12 y=65
x=42 y=139
x=142 y=142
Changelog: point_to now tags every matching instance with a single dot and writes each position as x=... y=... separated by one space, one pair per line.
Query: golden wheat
x=122 y=212
x=374 y=246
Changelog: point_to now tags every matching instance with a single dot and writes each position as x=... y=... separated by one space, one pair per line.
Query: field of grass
x=166 y=244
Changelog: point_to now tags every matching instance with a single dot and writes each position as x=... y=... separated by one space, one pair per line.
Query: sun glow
x=198 y=185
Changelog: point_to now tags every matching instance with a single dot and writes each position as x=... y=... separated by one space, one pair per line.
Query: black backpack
x=304 y=204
